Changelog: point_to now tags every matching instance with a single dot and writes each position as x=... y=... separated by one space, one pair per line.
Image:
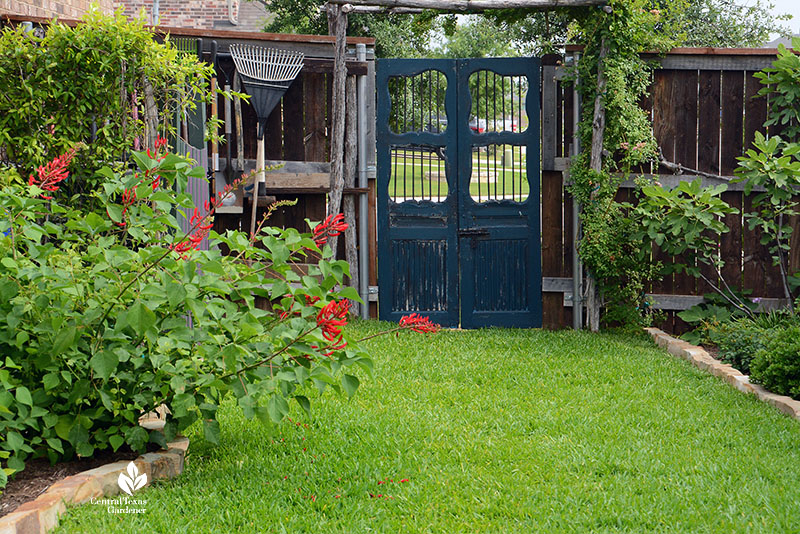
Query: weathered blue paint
x=458 y=261
x=501 y=273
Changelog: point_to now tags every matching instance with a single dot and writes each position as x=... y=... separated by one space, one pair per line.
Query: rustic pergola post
x=596 y=164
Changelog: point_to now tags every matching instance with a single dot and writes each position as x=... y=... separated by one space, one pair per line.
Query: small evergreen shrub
x=776 y=366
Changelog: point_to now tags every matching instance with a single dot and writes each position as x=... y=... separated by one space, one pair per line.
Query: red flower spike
x=418 y=323
x=331 y=317
x=48 y=176
x=332 y=226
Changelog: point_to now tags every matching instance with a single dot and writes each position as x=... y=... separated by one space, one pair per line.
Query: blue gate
x=458 y=191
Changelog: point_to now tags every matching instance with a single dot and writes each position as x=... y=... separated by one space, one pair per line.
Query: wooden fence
x=705 y=113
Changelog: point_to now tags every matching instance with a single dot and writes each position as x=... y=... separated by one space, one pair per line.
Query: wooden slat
x=566 y=265
x=731 y=242
x=549 y=139
x=755 y=109
x=314 y=93
x=755 y=116
x=569 y=110
x=294 y=130
x=664 y=129
x=708 y=121
x=732 y=99
x=685 y=95
x=708 y=124
x=729 y=63
x=552 y=246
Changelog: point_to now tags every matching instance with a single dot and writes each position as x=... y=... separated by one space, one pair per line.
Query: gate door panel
x=458 y=216
x=499 y=234
x=417 y=245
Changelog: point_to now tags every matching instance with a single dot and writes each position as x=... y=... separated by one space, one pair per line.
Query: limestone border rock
x=704 y=361
x=41 y=515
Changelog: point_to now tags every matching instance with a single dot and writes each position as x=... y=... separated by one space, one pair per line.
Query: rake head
x=266 y=74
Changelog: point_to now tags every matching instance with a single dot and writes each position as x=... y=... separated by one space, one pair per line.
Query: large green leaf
x=23 y=395
x=278 y=408
x=140 y=318
x=211 y=430
x=350 y=384
x=104 y=364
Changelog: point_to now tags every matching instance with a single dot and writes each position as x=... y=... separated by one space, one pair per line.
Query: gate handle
x=473 y=232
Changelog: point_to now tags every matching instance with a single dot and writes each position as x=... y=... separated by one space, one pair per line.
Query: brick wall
x=66 y=9
x=200 y=14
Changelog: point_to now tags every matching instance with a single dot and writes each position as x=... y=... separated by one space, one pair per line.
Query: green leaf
x=158 y=438
x=304 y=403
x=24 y=396
x=278 y=408
x=170 y=429
x=104 y=364
x=114 y=212
x=64 y=340
x=14 y=441
x=77 y=435
x=55 y=444
x=137 y=437
x=350 y=293
x=350 y=384
x=116 y=441
x=50 y=380
x=211 y=431
x=63 y=426
x=140 y=318
x=84 y=449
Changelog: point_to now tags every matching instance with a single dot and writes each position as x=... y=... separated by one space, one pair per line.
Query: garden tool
x=266 y=74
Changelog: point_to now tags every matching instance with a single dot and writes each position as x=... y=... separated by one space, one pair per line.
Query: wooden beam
x=465 y=6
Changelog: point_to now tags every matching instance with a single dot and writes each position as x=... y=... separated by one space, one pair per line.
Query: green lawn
x=496 y=431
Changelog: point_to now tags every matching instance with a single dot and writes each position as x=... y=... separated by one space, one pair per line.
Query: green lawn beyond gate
x=494 y=431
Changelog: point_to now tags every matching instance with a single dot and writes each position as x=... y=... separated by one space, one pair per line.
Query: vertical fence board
x=314 y=92
x=664 y=129
x=685 y=95
x=755 y=116
x=731 y=139
x=293 y=135
x=708 y=132
x=552 y=246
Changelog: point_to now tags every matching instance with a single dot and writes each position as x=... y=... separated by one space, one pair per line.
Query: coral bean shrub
x=106 y=317
x=81 y=85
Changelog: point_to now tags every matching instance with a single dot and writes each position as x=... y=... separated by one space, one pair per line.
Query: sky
x=791 y=7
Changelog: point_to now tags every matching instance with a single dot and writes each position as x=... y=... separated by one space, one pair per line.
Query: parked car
x=477 y=125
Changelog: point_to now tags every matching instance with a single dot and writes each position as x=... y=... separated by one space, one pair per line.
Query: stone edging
x=41 y=515
x=704 y=361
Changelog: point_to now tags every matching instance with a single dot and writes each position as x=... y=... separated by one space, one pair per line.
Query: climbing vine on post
x=613 y=79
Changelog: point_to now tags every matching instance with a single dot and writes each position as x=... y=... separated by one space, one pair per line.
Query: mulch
x=39 y=475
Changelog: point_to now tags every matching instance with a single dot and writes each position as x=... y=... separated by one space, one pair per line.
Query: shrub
x=737 y=341
x=90 y=83
x=103 y=318
x=777 y=365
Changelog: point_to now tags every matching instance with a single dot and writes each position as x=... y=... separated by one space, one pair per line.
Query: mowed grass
x=495 y=431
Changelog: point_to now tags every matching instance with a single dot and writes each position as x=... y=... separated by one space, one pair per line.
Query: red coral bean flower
x=332 y=226
x=48 y=176
x=201 y=225
x=331 y=317
x=418 y=323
